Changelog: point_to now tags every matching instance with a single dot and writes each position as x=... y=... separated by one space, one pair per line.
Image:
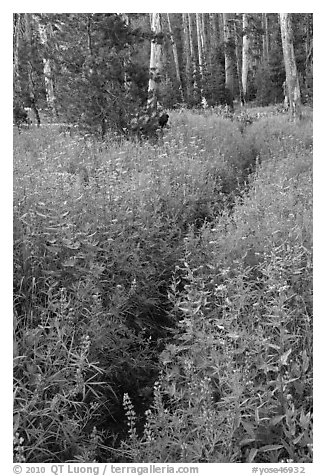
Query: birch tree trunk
x=155 y=66
x=238 y=61
x=193 y=60
x=17 y=33
x=31 y=88
x=292 y=79
x=212 y=40
x=308 y=48
x=214 y=43
x=229 y=67
x=220 y=18
x=245 y=56
x=265 y=37
x=203 y=38
x=47 y=71
x=186 y=49
x=176 y=59
x=200 y=54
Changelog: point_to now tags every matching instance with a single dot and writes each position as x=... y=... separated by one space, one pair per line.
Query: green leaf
x=274 y=421
x=246 y=441
x=266 y=448
x=284 y=357
x=305 y=361
x=252 y=455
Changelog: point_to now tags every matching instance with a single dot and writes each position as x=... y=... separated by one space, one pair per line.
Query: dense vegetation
x=162 y=237
x=163 y=292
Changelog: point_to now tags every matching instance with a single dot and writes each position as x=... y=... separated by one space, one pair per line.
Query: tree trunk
x=308 y=48
x=265 y=37
x=155 y=66
x=212 y=40
x=200 y=54
x=228 y=54
x=176 y=59
x=125 y=17
x=245 y=56
x=193 y=60
x=89 y=36
x=31 y=89
x=220 y=18
x=186 y=49
x=47 y=70
x=292 y=79
x=203 y=38
x=238 y=61
x=17 y=30
x=214 y=48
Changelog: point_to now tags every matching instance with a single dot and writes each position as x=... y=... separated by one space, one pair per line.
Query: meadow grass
x=137 y=263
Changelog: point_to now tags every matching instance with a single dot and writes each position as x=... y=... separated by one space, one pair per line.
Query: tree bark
x=186 y=49
x=245 y=56
x=203 y=38
x=200 y=53
x=228 y=55
x=265 y=37
x=17 y=32
x=155 y=66
x=308 y=47
x=31 y=88
x=176 y=59
x=212 y=40
x=238 y=61
x=126 y=19
x=292 y=79
x=47 y=71
x=214 y=45
x=193 y=60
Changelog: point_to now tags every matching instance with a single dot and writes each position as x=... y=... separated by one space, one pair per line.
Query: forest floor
x=163 y=293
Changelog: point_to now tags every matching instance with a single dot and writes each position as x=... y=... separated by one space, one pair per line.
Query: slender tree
x=155 y=67
x=308 y=51
x=238 y=59
x=203 y=36
x=212 y=40
x=228 y=54
x=265 y=37
x=292 y=79
x=175 y=57
x=31 y=83
x=245 y=55
x=126 y=60
x=193 y=59
x=186 y=51
x=47 y=68
x=214 y=33
x=200 y=53
x=18 y=33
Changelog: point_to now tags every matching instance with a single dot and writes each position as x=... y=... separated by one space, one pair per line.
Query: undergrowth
x=161 y=314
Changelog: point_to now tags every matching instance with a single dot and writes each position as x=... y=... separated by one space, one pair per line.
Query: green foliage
x=284 y=136
x=98 y=83
x=141 y=263
x=236 y=382
x=58 y=389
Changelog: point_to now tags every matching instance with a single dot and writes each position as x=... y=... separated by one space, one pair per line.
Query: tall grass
x=129 y=269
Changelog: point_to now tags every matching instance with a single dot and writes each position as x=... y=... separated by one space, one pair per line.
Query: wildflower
x=19 y=449
x=131 y=415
